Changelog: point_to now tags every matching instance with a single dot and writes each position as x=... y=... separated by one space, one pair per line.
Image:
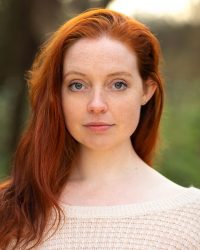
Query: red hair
x=43 y=157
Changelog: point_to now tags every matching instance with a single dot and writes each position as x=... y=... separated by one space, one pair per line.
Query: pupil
x=118 y=84
x=78 y=85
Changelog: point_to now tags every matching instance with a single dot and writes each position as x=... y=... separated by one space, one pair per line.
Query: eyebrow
x=111 y=74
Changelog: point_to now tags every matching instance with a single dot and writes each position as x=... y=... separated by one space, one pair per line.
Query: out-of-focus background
x=24 y=25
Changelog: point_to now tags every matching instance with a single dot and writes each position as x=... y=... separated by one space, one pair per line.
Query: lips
x=98 y=126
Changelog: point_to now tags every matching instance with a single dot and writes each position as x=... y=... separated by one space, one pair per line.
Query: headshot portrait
x=83 y=174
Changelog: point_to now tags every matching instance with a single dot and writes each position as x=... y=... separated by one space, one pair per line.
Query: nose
x=97 y=103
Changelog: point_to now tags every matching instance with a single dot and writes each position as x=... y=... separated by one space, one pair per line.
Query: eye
x=76 y=86
x=120 y=85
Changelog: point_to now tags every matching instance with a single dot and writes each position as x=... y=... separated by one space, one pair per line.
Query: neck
x=105 y=165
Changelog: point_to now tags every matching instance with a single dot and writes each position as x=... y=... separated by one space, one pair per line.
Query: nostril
x=97 y=109
x=97 y=104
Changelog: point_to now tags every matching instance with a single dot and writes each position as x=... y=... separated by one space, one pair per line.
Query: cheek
x=67 y=111
x=73 y=113
x=130 y=115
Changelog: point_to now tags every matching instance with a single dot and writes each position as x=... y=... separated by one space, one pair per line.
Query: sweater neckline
x=188 y=195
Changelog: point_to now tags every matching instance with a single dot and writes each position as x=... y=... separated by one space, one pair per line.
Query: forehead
x=101 y=53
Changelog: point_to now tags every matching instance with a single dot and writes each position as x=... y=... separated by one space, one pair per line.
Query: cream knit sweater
x=165 y=224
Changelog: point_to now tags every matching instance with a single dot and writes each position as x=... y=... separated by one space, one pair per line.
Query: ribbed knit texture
x=165 y=224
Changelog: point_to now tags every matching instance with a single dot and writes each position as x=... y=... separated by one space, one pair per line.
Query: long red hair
x=43 y=157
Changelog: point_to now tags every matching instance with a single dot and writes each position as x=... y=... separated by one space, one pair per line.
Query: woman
x=82 y=175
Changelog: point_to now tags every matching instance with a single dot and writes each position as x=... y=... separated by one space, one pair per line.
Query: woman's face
x=102 y=92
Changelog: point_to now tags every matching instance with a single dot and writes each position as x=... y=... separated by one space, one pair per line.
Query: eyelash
x=73 y=84
x=124 y=84
x=76 y=90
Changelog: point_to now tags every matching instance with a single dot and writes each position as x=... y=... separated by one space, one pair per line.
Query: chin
x=104 y=145
x=98 y=147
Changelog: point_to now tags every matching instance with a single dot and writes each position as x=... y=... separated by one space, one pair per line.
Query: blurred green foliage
x=179 y=157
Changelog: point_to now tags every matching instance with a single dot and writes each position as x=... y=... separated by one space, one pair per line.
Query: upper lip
x=97 y=124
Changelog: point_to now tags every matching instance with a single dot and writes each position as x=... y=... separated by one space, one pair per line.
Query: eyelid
x=120 y=80
x=73 y=82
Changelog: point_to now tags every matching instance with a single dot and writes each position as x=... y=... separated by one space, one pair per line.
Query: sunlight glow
x=176 y=9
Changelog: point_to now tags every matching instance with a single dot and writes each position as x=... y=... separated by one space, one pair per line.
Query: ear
x=149 y=87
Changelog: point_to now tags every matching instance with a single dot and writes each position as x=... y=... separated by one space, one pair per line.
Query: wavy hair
x=46 y=150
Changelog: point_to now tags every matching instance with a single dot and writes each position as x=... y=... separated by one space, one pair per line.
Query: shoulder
x=183 y=218
x=186 y=203
x=192 y=198
x=176 y=220
x=190 y=209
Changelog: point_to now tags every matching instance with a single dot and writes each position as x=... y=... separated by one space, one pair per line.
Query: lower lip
x=99 y=128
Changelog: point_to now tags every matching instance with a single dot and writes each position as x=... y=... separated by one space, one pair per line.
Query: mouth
x=98 y=126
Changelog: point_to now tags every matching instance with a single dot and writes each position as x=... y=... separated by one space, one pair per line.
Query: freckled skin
x=99 y=100
x=106 y=163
